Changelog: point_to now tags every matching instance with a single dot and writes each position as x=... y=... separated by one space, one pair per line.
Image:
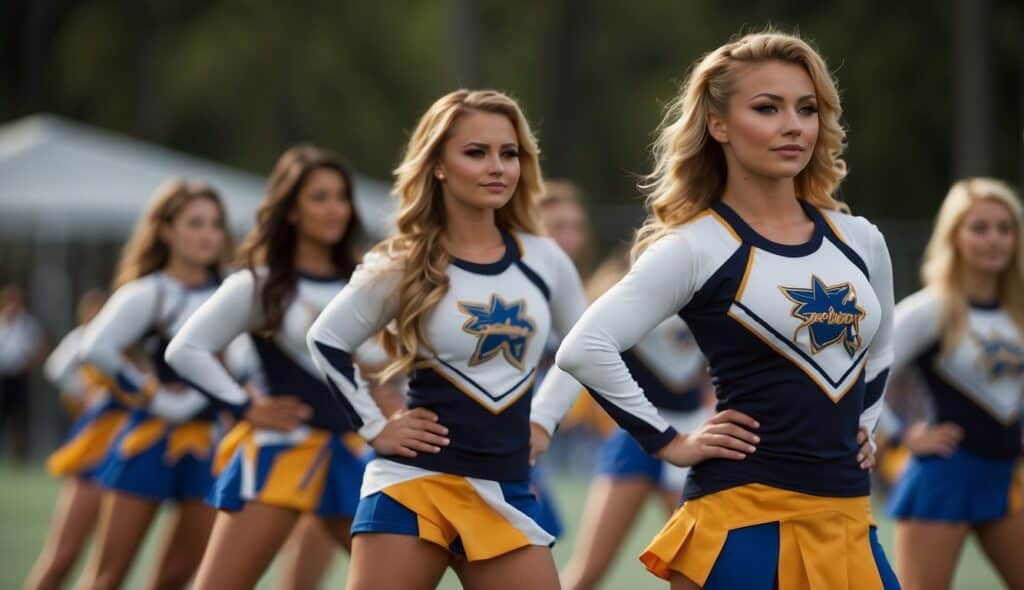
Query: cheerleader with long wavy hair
x=293 y=453
x=964 y=335
x=790 y=299
x=171 y=264
x=467 y=290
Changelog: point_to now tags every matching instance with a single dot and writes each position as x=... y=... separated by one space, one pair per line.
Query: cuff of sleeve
x=239 y=410
x=370 y=430
x=549 y=424
x=652 y=443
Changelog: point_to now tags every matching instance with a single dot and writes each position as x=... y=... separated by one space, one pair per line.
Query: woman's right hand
x=409 y=432
x=923 y=439
x=281 y=413
x=726 y=435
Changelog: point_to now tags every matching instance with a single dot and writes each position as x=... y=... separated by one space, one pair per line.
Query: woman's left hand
x=866 y=453
x=540 y=440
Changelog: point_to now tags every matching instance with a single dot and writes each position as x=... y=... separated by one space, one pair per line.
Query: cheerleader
x=565 y=221
x=964 y=333
x=789 y=298
x=164 y=451
x=671 y=370
x=470 y=291
x=97 y=420
x=294 y=452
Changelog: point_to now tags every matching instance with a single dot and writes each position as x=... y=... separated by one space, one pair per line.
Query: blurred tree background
x=931 y=90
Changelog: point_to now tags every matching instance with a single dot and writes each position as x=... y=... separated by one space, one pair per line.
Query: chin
x=330 y=238
x=492 y=201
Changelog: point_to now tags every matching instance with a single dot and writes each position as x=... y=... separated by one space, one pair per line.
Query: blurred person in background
x=964 y=333
x=22 y=348
x=171 y=264
x=564 y=220
x=471 y=290
x=672 y=372
x=97 y=419
x=294 y=451
x=789 y=297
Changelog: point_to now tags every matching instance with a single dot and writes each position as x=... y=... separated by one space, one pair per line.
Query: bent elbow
x=570 y=355
x=174 y=356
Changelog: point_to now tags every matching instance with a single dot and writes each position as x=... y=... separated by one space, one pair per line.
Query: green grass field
x=27 y=496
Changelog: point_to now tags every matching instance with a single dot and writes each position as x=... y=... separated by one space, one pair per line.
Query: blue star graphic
x=829 y=313
x=999 y=356
x=500 y=327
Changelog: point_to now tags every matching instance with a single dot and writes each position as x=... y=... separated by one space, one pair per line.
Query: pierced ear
x=718 y=128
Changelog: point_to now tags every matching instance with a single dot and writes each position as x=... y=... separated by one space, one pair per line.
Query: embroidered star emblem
x=999 y=356
x=500 y=327
x=829 y=313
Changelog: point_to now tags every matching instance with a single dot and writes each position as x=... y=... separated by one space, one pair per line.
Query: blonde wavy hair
x=145 y=252
x=417 y=246
x=689 y=165
x=943 y=265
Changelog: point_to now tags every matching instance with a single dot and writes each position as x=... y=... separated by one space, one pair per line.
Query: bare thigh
x=124 y=520
x=74 y=518
x=527 y=567
x=307 y=555
x=242 y=545
x=678 y=581
x=1002 y=541
x=927 y=553
x=184 y=543
x=340 y=529
x=670 y=500
x=382 y=561
x=611 y=508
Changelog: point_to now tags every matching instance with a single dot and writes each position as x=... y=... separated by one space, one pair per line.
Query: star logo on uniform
x=829 y=313
x=500 y=327
x=999 y=356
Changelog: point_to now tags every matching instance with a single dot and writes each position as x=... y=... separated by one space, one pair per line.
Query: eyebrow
x=487 y=145
x=780 y=99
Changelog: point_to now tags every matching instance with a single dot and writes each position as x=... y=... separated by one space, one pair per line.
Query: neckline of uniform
x=980 y=305
x=492 y=268
x=749 y=235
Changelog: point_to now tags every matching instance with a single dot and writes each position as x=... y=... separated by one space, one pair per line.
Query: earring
x=439 y=175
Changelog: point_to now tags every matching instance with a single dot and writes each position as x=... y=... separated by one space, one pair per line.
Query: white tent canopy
x=63 y=180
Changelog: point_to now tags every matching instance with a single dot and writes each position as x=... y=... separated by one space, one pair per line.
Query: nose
x=497 y=168
x=791 y=124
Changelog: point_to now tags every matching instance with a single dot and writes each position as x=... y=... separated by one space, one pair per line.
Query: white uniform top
x=796 y=336
x=63 y=364
x=979 y=384
x=148 y=312
x=484 y=340
x=668 y=365
x=282 y=363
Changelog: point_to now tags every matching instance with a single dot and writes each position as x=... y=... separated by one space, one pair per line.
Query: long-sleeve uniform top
x=146 y=313
x=979 y=383
x=281 y=365
x=667 y=365
x=479 y=362
x=62 y=367
x=796 y=336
